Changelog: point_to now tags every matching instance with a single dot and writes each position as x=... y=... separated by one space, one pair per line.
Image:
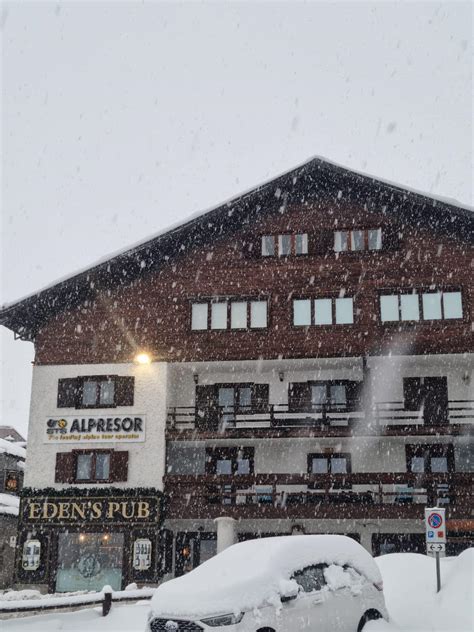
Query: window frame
x=426 y=450
x=93 y=453
x=277 y=241
x=229 y=301
x=349 y=240
x=333 y=298
x=419 y=292
x=329 y=456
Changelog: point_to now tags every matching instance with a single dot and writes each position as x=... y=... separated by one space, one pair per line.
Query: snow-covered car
x=325 y=583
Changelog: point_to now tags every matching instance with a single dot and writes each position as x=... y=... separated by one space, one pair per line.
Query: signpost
x=435 y=526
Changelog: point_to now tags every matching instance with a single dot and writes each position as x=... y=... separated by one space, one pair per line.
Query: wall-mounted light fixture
x=281 y=375
x=466 y=378
x=142 y=358
x=196 y=378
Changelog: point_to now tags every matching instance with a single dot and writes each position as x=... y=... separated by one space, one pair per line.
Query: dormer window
x=285 y=245
x=359 y=239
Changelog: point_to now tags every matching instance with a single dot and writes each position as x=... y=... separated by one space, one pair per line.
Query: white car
x=325 y=583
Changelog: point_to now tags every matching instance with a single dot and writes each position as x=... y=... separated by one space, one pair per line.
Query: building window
x=199 y=316
x=332 y=463
x=237 y=314
x=91 y=466
x=359 y=239
x=415 y=306
x=323 y=311
x=268 y=246
x=430 y=458
x=230 y=461
x=96 y=391
x=285 y=245
x=330 y=396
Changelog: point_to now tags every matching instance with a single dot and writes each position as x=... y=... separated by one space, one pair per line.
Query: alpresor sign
x=116 y=429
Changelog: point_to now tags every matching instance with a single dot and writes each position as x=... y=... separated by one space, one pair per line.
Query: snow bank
x=12 y=448
x=14 y=599
x=411 y=598
x=250 y=574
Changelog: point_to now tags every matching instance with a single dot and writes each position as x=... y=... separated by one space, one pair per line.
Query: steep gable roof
x=315 y=181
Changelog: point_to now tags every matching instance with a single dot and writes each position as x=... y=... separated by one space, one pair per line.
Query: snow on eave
x=12 y=448
x=241 y=197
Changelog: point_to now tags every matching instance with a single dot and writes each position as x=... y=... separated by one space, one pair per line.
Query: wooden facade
x=154 y=312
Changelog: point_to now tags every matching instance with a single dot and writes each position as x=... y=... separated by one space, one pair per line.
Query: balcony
x=274 y=420
x=342 y=496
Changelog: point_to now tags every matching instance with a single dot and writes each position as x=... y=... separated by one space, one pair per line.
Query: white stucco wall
x=146 y=459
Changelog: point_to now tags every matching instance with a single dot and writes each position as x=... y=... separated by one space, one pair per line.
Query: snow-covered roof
x=12 y=448
x=254 y=573
x=9 y=504
x=315 y=180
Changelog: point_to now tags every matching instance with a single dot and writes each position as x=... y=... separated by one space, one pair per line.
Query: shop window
x=416 y=306
x=31 y=555
x=323 y=311
x=89 y=561
x=98 y=391
x=91 y=466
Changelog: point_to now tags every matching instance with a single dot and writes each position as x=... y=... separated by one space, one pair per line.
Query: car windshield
x=311 y=578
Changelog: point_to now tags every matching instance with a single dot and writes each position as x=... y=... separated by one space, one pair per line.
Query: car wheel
x=370 y=615
x=265 y=630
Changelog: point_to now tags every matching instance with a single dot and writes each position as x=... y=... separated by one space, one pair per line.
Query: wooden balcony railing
x=386 y=415
x=375 y=495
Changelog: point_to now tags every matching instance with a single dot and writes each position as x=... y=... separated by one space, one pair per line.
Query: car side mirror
x=289 y=590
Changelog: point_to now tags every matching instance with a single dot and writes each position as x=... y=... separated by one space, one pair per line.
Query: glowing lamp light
x=82 y=537
x=142 y=358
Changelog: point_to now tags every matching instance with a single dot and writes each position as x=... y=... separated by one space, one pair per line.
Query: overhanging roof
x=317 y=180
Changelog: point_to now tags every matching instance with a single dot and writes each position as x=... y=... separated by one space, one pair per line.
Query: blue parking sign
x=431 y=534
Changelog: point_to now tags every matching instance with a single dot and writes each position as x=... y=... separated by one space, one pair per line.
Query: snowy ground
x=409 y=582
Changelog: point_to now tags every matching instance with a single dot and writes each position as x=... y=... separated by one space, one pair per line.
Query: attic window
x=285 y=245
x=359 y=239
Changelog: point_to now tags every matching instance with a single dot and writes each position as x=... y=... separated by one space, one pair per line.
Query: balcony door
x=217 y=405
x=429 y=396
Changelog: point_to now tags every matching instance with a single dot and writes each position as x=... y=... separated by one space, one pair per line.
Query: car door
x=346 y=594
x=308 y=611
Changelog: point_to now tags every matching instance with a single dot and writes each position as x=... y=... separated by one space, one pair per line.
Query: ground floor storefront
x=195 y=541
x=78 y=539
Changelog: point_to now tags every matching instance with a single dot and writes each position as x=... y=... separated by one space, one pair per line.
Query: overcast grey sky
x=120 y=118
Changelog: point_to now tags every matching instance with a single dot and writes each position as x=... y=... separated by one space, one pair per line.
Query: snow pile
x=9 y=505
x=224 y=584
x=12 y=448
x=411 y=598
